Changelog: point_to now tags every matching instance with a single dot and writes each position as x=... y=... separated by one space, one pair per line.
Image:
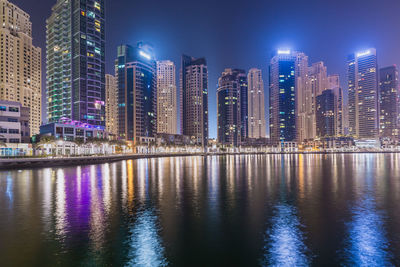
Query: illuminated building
x=70 y=130
x=228 y=107
x=76 y=62
x=309 y=87
x=256 y=104
x=14 y=122
x=285 y=68
x=363 y=94
x=20 y=62
x=334 y=85
x=194 y=99
x=111 y=105
x=167 y=112
x=325 y=114
x=137 y=87
x=389 y=102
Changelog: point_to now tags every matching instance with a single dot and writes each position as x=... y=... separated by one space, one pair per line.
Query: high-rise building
x=76 y=62
x=137 y=93
x=244 y=108
x=325 y=114
x=167 y=112
x=334 y=85
x=194 y=99
x=125 y=54
x=309 y=88
x=285 y=68
x=389 y=102
x=20 y=63
x=228 y=108
x=111 y=104
x=256 y=104
x=363 y=94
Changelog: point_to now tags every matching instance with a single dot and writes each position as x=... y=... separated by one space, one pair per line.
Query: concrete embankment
x=20 y=163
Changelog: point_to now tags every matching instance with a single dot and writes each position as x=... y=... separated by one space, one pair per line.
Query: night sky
x=243 y=34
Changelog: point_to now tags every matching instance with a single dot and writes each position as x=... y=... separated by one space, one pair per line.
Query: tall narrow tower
x=256 y=104
x=167 y=113
x=363 y=94
x=286 y=67
x=76 y=61
x=194 y=99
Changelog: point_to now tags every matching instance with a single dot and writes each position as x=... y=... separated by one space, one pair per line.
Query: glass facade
x=76 y=61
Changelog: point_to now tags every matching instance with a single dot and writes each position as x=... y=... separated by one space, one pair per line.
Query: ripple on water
x=146 y=248
x=284 y=240
x=366 y=243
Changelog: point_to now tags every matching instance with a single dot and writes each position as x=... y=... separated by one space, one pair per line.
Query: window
x=12 y=120
x=12 y=140
x=3 y=108
x=3 y=130
x=13 y=131
x=79 y=132
x=13 y=109
x=69 y=130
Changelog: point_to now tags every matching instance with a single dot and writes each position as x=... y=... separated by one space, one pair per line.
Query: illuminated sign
x=145 y=55
x=283 y=52
x=365 y=53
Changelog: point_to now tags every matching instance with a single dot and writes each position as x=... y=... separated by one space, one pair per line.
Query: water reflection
x=206 y=211
x=285 y=241
x=366 y=244
x=145 y=245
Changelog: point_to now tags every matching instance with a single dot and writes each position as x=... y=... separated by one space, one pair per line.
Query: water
x=253 y=210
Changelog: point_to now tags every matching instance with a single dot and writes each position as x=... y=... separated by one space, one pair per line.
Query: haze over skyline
x=242 y=36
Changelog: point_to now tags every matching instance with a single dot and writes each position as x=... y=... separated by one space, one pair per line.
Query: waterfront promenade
x=43 y=162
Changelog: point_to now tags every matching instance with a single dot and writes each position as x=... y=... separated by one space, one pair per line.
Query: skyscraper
x=325 y=114
x=111 y=105
x=167 y=113
x=363 y=94
x=194 y=99
x=244 y=108
x=124 y=55
x=256 y=104
x=389 y=102
x=76 y=61
x=137 y=86
x=228 y=107
x=285 y=68
x=20 y=62
x=334 y=85
x=309 y=87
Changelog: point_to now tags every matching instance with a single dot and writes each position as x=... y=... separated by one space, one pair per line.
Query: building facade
x=286 y=67
x=363 y=94
x=137 y=86
x=309 y=87
x=194 y=99
x=111 y=104
x=167 y=108
x=325 y=114
x=75 y=59
x=389 y=102
x=14 y=122
x=334 y=85
x=69 y=130
x=256 y=105
x=228 y=108
x=20 y=63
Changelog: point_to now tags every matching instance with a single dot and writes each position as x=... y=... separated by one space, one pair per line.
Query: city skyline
x=258 y=44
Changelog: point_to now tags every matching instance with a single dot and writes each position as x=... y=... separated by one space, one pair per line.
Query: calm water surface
x=253 y=210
